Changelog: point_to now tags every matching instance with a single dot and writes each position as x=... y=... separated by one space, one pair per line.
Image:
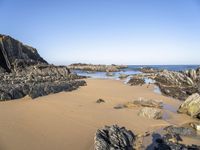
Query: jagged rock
x=148 y=103
x=12 y=50
x=151 y=113
x=178 y=84
x=23 y=72
x=136 y=81
x=100 y=101
x=191 y=106
x=100 y=68
x=114 y=138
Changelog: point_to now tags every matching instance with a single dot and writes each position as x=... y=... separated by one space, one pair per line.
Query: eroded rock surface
x=24 y=72
x=114 y=138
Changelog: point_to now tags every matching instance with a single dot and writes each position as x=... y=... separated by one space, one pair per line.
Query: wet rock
x=100 y=101
x=148 y=103
x=136 y=81
x=191 y=105
x=151 y=113
x=100 y=68
x=114 y=138
x=182 y=130
x=165 y=142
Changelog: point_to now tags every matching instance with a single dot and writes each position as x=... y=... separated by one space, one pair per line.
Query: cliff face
x=12 y=52
x=24 y=72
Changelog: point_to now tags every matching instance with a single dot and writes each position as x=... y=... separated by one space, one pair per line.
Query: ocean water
x=134 y=69
x=168 y=67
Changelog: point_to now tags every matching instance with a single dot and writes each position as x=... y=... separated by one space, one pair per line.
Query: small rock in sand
x=100 y=101
x=119 y=106
x=148 y=103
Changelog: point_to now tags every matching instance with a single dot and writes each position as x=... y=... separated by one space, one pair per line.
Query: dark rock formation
x=13 y=52
x=100 y=68
x=23 y=72
x=114 y=138
x=136 y=81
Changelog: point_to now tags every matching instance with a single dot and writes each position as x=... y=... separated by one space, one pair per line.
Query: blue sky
x=106 y=31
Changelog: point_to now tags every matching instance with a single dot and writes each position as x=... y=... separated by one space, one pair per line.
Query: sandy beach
x=69 y=120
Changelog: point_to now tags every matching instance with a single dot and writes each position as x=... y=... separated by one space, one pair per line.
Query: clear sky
x=106 y=31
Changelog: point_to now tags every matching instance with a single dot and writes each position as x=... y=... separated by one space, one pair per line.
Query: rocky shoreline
x=97 y=68
x=24 y=72
x=176 y=84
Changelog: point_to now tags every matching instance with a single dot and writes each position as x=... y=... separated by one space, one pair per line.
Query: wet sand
x=69 y=120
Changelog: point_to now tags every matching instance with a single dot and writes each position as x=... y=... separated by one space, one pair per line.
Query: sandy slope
x=69 y=120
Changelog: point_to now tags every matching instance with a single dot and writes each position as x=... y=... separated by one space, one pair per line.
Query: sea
x=134 y=69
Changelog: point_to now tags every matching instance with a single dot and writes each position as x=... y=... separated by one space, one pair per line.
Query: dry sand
x=69 y=120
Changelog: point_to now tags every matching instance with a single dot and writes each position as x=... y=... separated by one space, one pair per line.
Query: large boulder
x=191 y=106
x=114 y=138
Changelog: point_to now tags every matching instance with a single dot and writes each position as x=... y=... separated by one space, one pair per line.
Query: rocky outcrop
x=148 y=70
x=175 y=84
x=151 y=113
x=23 y=72
x=113 y=138
x=191 y=106
x=13 y=52
x=136 y=81
x=99 y=68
